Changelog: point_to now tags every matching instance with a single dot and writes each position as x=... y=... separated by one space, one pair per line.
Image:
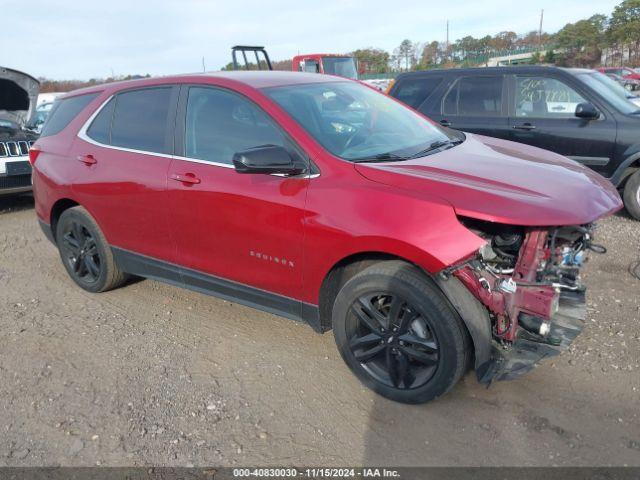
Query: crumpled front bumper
x=525 y=353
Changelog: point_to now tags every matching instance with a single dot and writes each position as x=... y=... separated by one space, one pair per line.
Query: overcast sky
x=85 y=39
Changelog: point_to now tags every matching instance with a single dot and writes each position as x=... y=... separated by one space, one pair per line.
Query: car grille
x=15 y=149
x=15 y=181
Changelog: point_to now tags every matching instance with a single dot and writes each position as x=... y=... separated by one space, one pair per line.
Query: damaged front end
x=527 y=280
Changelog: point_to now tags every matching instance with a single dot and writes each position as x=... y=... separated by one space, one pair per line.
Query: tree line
x=579 y=44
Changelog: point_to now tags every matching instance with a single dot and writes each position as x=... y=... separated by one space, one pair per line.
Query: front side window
x=311 y=66
x=220 y=124
x=544 y=97
x=63 y=111
x=140 y=119
x=341 y=66
x=475 y=96
x=355 y=122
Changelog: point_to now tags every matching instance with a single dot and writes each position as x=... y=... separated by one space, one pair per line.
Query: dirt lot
x=152 y=374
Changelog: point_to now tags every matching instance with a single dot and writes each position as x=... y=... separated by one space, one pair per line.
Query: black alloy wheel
x=85 y=253
x=80 y=251
x=399 y=334
x=392 y=341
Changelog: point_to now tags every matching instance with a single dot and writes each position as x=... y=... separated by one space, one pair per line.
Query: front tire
x=85 y=253
x=398 y=333
x=631 y=195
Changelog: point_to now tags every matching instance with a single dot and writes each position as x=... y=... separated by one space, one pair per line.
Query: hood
x=506 y=182
x=18 y=95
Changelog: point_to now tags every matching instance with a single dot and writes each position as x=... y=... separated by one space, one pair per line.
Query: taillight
x=33 y=154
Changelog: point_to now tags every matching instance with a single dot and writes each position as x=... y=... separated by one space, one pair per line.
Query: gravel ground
x=153 y=374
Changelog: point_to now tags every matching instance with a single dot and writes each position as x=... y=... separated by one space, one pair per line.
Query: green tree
x=581 y=42
x=404 y=55
x=624 y=27
x=430 y=54
x=372 y=60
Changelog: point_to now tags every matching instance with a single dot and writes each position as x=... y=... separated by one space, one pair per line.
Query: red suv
x=426 y=250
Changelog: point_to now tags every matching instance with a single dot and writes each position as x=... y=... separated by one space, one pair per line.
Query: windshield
x=611 y=90
x=342 y=66
x=355 y=122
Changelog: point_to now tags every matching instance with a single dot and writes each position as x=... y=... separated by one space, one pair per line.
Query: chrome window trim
x=82 y=135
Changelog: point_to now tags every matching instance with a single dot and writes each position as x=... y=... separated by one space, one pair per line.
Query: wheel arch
x=57 y=210
x=339 y=274
x=474 y=315
x=627 y=168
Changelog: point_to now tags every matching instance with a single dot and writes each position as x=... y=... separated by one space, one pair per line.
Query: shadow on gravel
x=14 y=203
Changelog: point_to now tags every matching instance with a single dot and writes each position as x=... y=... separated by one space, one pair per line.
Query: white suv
x=18 y=94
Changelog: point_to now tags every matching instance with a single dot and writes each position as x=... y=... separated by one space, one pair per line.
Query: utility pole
x=204 y=68
x=447 y=45
x=540 y=29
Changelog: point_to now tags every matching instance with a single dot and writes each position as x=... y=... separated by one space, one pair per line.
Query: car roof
x=252 y=78
x=493 y=70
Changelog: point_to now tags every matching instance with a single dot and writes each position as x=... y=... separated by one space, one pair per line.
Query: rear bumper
x=46 y=229
x=525 y=353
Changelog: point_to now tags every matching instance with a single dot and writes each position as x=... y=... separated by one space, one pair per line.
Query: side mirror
x=587 y=110
x=266 y=159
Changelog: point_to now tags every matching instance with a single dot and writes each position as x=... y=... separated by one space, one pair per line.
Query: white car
x=18 y=94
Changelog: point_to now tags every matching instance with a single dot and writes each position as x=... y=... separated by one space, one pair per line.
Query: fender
x=418 y=228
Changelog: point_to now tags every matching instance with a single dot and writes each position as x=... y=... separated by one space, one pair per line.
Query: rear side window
x=414 y=92
x=63 y=111
x=140 y=119
x=475 y=96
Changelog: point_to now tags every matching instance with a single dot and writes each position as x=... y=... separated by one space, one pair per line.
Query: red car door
x=238 y=234
x=123 y=158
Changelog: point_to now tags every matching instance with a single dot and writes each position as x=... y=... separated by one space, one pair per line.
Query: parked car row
x=580 y=114
x=628 y=77
x=630 y=84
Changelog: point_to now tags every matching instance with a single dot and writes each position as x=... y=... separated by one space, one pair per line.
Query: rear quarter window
x=100 y=128
x=415 y=91
x=63 y=111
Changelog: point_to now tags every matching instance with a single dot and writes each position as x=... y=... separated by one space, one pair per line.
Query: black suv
x=581 y=114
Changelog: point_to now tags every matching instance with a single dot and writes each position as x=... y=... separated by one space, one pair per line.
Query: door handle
x=524 y=126
x=187 y=178
x=87 y=159
x=445 y=123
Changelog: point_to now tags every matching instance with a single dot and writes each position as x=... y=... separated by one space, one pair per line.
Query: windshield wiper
x=435 y=146
x=382 y=157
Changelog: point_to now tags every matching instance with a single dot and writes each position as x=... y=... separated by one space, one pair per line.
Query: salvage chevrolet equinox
x=319 y=199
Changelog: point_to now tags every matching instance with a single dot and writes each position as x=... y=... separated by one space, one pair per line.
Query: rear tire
x=631 y=195
x=398 y=333
x=85 y=252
